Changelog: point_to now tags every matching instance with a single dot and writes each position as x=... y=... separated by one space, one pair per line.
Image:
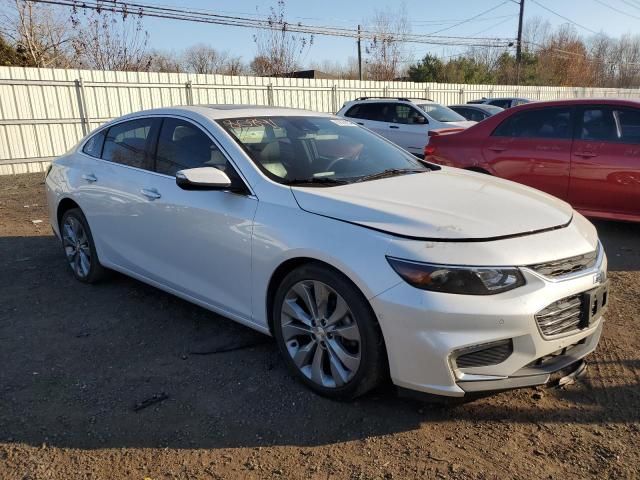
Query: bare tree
x=385 y=52
x=39 y=32
x=109 y=40
x=205 y=59
x=347 y=70
x=260 y=66
x=279 y=50
x=166 y=62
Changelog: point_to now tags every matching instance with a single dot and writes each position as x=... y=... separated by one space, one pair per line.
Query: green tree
x=429 y=69
x=9 y=56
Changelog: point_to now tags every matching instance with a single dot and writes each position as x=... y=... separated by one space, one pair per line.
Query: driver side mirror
x=420 y=120
x=203 y=178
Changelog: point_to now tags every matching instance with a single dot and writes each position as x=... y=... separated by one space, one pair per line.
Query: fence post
x=334 y=99
x=270 y=95
x=189 y=87
x=427 y=93
x=82 y=106
x=461 y=95
x=385 y=91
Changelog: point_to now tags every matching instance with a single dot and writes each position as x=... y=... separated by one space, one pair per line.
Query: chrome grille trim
x=568 y=266
x=561 y=317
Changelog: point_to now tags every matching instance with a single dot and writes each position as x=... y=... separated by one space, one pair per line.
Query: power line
x=563 y=17
x=509 y=17
x=145 y=10
x=634 y=5
x=470 y=18
x=617 y=9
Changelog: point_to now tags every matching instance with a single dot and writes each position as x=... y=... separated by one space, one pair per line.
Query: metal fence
x=44 y=112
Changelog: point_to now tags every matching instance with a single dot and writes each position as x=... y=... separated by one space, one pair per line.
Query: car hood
x=446 y=204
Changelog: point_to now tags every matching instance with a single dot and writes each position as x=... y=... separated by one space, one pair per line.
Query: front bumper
x=424 y=330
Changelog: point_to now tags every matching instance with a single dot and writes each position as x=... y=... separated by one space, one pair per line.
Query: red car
x=586 y=152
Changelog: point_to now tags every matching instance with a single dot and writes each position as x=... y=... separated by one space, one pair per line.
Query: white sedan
x=362 y=261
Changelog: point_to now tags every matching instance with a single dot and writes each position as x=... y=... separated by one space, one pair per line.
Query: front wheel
x=327 y=333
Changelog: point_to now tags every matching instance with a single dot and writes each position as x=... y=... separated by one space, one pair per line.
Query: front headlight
x=457 y=279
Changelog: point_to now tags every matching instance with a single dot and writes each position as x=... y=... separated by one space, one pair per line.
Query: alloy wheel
x=320 y=333
x=76 y=246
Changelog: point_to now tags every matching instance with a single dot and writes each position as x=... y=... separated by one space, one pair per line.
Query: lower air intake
x=485 y=355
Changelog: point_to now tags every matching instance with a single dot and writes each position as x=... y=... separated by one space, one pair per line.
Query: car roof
x=578 y=101
x=416 y=101
x=215 y=112
x=478 y=106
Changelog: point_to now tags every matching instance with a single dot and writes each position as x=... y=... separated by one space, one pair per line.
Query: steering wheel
x=336 y=161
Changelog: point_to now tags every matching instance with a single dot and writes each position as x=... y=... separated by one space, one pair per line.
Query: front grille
x=562 y=316
x=566 y=266
x=484 y=355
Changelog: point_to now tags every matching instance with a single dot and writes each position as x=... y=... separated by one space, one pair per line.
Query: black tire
x=95 y=271
x=373 y=364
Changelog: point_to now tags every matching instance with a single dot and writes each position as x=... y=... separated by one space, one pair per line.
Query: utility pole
x=359 y=55
x=519 y=44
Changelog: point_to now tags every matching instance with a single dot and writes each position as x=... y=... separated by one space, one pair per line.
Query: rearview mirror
x=202 y=178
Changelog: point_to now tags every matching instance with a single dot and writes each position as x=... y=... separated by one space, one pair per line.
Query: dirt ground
x=76 y=359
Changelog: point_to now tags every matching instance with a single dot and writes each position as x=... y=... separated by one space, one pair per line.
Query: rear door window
x=628 y=121
x=553 y=123
x=598 y=124
x=130 y=143
x=610 y=124
x=370 y=111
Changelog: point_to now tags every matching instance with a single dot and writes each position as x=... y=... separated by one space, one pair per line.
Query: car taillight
x=429 y=150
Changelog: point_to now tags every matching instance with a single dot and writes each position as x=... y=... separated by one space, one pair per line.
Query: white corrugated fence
x=44 y=112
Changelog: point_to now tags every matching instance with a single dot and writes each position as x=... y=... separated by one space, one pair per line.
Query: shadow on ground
x=76 y=359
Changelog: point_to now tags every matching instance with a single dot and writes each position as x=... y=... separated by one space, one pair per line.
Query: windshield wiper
x=390 y=172
x=315 y=181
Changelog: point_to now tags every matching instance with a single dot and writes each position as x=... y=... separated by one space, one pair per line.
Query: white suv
x=406 y=122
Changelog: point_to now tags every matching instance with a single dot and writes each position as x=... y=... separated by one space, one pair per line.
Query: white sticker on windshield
x=343 y=123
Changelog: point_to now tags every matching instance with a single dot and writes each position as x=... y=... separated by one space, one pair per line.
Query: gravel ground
x=76 y=359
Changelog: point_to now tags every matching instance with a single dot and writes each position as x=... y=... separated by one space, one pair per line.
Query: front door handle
x=586 y=154
x=360 y=123
x=393 y=126
x=150 y=193
x=498 y=148
x=90 y=177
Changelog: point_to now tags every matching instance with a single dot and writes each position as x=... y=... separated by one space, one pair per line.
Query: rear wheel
x=79 y=248
x=327 y=333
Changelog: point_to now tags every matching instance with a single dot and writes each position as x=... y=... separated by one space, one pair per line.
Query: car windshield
x=441 y=113
x=319 y=151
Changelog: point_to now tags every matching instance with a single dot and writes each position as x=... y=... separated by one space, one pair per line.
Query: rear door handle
x=393 y=126
x=360 y=123
x=586 y=154
x=90 y=177
x=498 y=148
x=150 y=193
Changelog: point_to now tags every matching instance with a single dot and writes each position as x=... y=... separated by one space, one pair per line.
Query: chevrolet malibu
x=362 y=261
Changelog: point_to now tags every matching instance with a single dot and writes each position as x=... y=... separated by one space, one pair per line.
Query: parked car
x=586 y=152
x=506 y=102
x=361 y=260
x=404 y=121
x=476 y=113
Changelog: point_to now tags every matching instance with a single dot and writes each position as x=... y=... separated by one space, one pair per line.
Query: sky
x=425 y=16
